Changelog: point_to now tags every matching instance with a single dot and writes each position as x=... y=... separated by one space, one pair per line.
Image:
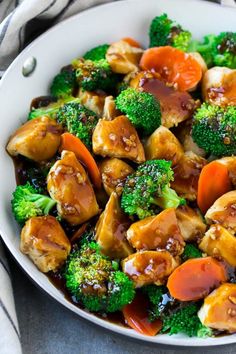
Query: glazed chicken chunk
x=45 y=242
x=123 y=58
x=114 y=172
x=117 y=138
x=163 y=144
x=157 y=232
x=69 y=185
x=37 y=139
x=111 y=230
x=219 y=308
x=220 y=243
x=190 y=223
x=109 y=109
x=230 y=163
x=184 y=136
x=93 y=101
x=176 y=106
x=223 y=211
x=148 y=267
x=186 y=175
x=219 y=86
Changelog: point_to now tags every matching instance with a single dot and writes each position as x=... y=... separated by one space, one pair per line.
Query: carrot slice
x=131 y=42
x=136 y=316
x=72 y=143
x=213 y=182
x=175 y=67
x=195 y=278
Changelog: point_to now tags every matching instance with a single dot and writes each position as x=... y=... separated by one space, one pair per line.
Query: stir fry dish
x=126 y=182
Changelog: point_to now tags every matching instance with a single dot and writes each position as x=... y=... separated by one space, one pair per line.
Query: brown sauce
x=174 y=104
x=41 y=101
x=58 y=281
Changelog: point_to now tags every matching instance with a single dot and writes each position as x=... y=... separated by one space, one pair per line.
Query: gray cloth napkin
x=23 y=20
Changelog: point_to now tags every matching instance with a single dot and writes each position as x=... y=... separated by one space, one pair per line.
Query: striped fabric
x=23 y=20
x=9 y=331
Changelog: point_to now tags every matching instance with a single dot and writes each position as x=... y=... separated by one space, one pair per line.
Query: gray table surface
x=48 y=328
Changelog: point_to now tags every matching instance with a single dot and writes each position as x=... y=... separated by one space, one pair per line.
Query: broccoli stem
x=43 y=202
x=168 y=199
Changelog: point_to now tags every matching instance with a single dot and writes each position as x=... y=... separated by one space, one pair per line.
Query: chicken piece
x=114 y=172
x=37 y=139
x=219 y=86
x=162 y=144
x=230 y=163
x=219 y=308
x=109 y=110
x=111 y=230
x=69 y=185
x=190 y=223
x=223 y=211
x=45 y=242
x=186 y=175
x=176 y=106
x=219 y=242
x=117 y=138
x=93 y=101
x=148 y=267
x=123 y=58
x=157 y=232
x=183 y=133
x=197 y=56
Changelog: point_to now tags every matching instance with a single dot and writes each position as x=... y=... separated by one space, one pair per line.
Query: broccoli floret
x=214 y=129
x=217 y=50
x=224 y=50
x=191 y=251
x=163 y=31
x=78 y=120
x=52 y=109
x=63 y=84
x=182 y=320
x=27 y=203
x=121 y=86
x=87 y=236
x=93 y=75
x=155 y=295
x=142 y=109
x=204 y=48
x=93 y=279
x=148 y=189
x=185 y=320
x=96 y=53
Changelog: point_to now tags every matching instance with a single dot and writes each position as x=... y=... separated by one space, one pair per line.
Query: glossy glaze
x=157 y=232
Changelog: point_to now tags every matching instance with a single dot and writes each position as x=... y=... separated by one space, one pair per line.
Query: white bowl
x=56 y=48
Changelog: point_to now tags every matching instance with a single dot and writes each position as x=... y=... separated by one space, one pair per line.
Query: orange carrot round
x=195 y=278
x=136 y=316
x=131 y=42
x=213 y=182
x=175 y=67
x=72 y=143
